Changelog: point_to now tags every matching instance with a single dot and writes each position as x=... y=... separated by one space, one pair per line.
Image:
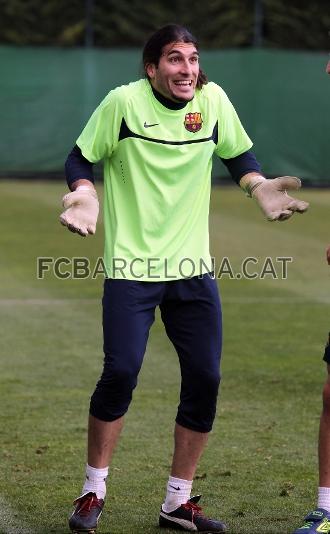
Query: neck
x=170 y=104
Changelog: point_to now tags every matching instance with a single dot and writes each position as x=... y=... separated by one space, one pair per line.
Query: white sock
x=324 y=499
x=178 y=492
x=95 y=481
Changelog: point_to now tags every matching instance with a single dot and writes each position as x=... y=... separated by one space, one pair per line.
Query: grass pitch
x=259 y=472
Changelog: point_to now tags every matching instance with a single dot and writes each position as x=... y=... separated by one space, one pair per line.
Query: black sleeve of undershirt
x=77 y=167
x=241 y=165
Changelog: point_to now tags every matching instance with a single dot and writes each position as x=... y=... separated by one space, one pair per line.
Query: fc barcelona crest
x=193 y=122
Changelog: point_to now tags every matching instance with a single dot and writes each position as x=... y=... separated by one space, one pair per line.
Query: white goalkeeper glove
x=272 y=197
x=81 y=210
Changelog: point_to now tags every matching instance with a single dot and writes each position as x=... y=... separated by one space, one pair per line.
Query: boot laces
x=193 y=508
x=86 y=505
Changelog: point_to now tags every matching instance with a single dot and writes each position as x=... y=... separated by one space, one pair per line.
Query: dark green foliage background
x=299 y=24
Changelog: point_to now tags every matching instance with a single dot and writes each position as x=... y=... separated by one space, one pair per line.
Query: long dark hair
x=171 y=33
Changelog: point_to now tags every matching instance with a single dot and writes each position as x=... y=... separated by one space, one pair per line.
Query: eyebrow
x=175 y=51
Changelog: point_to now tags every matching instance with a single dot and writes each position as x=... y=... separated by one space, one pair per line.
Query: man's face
x=177 y=72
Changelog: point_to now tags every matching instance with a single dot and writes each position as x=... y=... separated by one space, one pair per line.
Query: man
x=318 y=521
x=156 y=137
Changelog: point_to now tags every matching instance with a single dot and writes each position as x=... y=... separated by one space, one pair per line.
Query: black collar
x=170 y=104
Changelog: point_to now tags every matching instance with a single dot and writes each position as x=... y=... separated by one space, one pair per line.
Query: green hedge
x=281 y=97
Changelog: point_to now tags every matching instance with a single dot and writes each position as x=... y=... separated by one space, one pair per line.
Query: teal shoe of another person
x=316 y=522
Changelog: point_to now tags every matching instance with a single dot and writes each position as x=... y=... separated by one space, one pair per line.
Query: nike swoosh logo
x=177 y=489
x=149 y=125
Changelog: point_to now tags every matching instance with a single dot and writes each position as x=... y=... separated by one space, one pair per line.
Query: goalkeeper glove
x=272 y=197
x=81 y=210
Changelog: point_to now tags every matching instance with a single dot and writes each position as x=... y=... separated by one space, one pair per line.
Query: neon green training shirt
x=157 y=176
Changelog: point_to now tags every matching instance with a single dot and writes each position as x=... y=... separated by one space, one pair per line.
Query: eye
x=194 y=59
x=174 y=59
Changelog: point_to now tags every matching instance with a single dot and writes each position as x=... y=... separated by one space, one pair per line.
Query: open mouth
x=183 y=83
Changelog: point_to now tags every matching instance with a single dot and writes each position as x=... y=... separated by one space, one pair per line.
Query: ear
x=151 y=70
